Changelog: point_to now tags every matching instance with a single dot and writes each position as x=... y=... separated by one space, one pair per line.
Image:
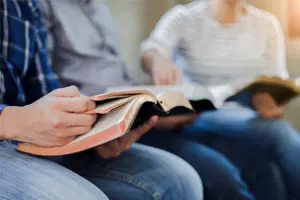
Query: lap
x=220 y=177
x=251 y=143
x=198 y=155
x=243 y=127
x=141 y=171
x=223 y=173
x=25 y=177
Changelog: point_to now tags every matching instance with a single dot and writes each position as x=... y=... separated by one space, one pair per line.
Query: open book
x=206 y=98
x=121 y=109
x=118 y=112
x=282 y=90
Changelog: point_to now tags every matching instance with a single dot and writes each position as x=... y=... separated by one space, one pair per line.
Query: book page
x=192 y=92
x=118 y=94
x=137 y=104
x=124 y=113
x=170 y=100
x=297 y=82
x=108 y=120
x=221 y=93
x=107 y=106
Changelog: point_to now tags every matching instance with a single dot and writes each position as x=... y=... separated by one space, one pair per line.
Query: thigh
x=221 y=179
x=253 y=144
x=225 y=123
x=242 y=129
x=142 y=172
x=24 y=177
x=240 y=126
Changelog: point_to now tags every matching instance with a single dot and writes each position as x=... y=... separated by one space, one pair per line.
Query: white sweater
x=219 y=55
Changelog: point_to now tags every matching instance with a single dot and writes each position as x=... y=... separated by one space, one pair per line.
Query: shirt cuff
x=2 y=106
x=150 y=44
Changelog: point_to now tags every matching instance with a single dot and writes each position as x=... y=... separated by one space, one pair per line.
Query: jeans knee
x=227 y=184
x=185 y=183
x=164 y=175
x=277 y=132
x=23 y=177
x=32 y=189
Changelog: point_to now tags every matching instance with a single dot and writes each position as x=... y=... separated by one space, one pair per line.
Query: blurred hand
x=176 y=122
x=54 y=120
x=164 y=72
x=266 y=106
x=116 y=147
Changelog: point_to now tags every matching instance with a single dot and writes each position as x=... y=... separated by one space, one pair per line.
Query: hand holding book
x=122 y=109
x=266 y=106
x=117 y=146
x=53 y=120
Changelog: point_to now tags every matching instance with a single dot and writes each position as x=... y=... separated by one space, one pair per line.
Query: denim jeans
x=140 y=173
x=249 y=141
x=221 y=179
x=235 y=152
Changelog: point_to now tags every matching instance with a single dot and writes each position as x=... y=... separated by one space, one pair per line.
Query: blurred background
x=136 y=18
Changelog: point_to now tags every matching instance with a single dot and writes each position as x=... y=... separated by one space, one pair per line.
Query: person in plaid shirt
x=35 y=110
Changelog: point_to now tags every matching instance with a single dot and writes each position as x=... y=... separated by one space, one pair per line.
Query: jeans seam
x=130 y=180
x=3 y=198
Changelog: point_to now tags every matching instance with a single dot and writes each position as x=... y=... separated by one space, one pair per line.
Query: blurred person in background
x=35 y=110
x=225 y=44
x=84 y=52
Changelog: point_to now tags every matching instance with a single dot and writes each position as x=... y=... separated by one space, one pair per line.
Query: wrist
x=148 y=59
x=9 y=122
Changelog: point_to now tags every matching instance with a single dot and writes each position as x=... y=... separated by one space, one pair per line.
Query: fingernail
x=153 y=120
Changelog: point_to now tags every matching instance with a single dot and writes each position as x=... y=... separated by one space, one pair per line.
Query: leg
x=23 y=177
x=140 y=173
x=220 y=178
x=256 y=139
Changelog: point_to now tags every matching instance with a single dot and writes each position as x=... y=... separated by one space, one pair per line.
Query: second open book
x=121 y=109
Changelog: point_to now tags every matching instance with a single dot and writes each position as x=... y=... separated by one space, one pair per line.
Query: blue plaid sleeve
x=40 y=79
x=26 y=74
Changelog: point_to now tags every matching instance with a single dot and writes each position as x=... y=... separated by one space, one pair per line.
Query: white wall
x=129 y=19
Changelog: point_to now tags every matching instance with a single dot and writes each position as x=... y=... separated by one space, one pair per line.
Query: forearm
x=148 y=59
x=7 y=126
x=165 y=38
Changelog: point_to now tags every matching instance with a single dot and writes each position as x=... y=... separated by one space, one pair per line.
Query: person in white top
x=224 y=42
x=227 y=43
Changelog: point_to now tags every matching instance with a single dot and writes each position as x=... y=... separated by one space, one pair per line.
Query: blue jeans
x=140 y=173
x=249 y=141
x=221 y=179
x=237 y=155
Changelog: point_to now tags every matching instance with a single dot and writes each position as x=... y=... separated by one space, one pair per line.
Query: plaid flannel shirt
x=25 y=72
